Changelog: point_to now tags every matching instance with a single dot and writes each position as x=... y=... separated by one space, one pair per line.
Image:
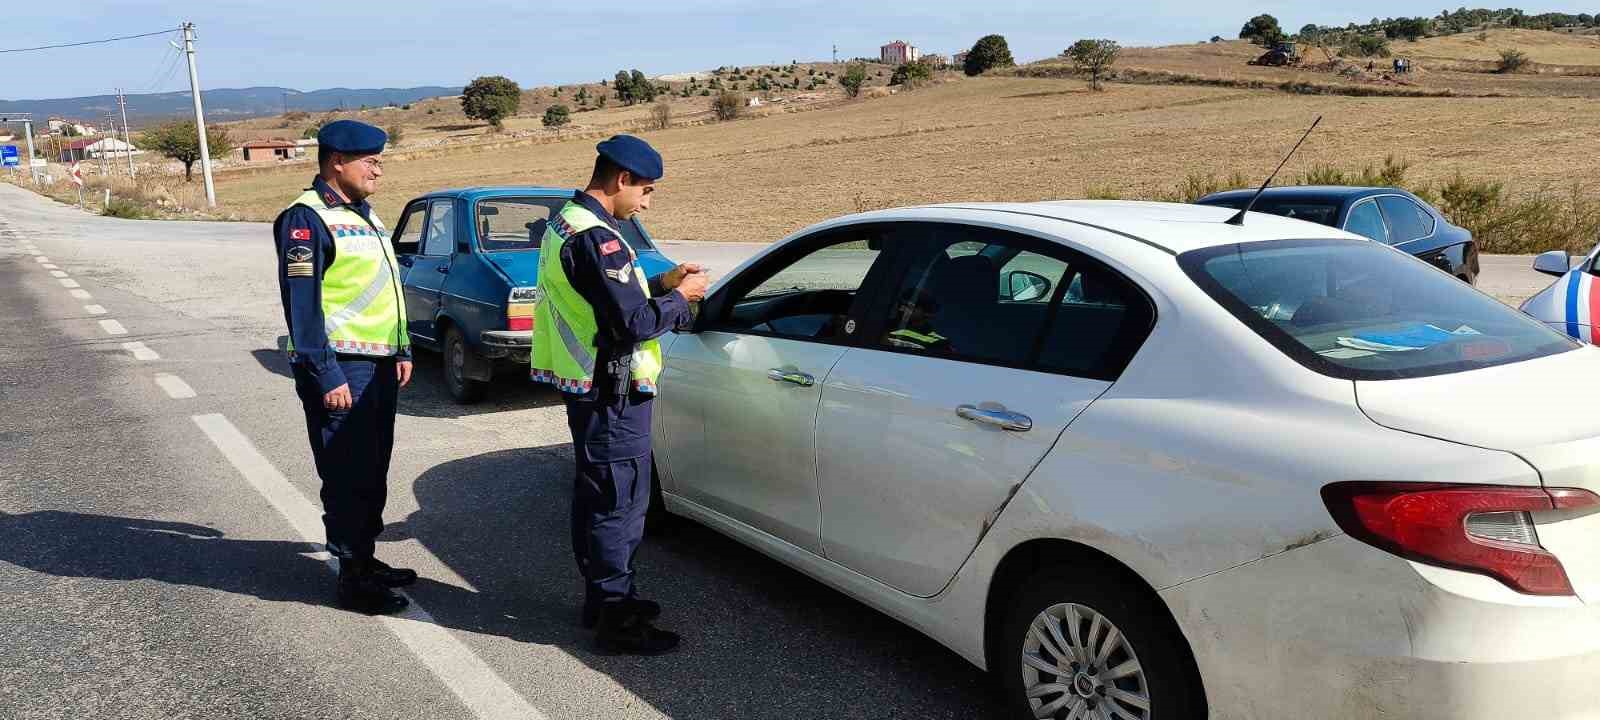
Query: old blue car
x=469 y=261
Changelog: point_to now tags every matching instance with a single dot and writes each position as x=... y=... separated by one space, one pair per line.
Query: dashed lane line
x=113 y=327
x=82 y=295
x=174 y=386
x=50 y=266
x=140 y=352
x=68 y=283
x=94 y=309
x=59 y=273
x=41 y=259
x=476 y=684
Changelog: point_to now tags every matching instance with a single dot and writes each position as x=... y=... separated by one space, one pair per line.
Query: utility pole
x=103 y=146
x=836 y=53
x=127 y=139
x=199 y=115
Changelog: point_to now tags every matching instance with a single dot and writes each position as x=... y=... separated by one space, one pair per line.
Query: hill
x=225 y=103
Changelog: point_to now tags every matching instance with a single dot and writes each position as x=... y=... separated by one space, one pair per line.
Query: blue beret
x=634 y=155
x=354 y=138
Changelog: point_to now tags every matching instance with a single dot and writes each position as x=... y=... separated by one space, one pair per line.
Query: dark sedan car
x=1388 y=215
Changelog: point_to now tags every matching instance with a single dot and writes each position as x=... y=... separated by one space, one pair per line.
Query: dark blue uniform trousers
x=611 y=441
x=352 y=450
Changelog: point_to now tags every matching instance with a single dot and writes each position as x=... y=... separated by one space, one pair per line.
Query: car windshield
x=1363 y=311
x=1322 y=212
x=519 y=223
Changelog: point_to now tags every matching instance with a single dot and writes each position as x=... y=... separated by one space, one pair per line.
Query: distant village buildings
x=898 y=52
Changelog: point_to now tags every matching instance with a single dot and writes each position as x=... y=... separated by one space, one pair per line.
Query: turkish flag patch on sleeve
x=300 y=234
x=610 y=247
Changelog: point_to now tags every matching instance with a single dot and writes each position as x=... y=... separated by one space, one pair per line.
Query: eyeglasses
x=373 y=163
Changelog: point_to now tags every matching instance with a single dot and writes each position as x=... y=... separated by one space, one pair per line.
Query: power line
x=165 y=72
x=90 y=42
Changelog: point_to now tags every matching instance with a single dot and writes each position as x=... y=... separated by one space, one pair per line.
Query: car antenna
x=1238 y=218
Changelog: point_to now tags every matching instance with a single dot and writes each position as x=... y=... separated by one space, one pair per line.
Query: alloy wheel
x=1077 y=665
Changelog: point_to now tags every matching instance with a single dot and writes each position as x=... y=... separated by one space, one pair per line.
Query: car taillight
x=519 y=308
x=1484 y=529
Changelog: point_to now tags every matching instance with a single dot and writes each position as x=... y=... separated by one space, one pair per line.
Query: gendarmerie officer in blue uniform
x=595 y=329
x=349 y=350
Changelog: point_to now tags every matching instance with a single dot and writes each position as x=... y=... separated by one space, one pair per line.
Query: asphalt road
x=158 y=517
x=154 y=560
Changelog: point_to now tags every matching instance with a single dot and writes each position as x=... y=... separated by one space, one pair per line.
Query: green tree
x=911 y=75
x=643 y=89
x=1263 y=30
x=1407 y=28
x=69 y=130
x=991 y=51
x=855 y=75
x=556 y=116
x=180 y=141
x=1094 y=57
x=491 y=98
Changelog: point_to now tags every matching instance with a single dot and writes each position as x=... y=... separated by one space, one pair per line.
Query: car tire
x=465 y=390
x=1149 y=656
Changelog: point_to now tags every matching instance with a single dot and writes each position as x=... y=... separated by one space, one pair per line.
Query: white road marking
x=113 y=327
x=82 y=295
x=41 y=259
x=68 y=283
x=50 y=266
x=140 y=352
x=58 y=273
x=176 y=388
x=476 y=684
x=94 y=309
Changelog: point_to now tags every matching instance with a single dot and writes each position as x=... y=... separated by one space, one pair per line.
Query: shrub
x=406 y=106
x=1366 y=46
x=991 y=51
x=396 y=133
x=491 y=98
x=661 y=114
x=853 y=78
x=1513 y=61
x=728 y=105
x=911 y=75
x=557 y=115
x=127 y=209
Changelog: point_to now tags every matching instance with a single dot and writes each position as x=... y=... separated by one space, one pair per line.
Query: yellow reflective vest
x=362 y=308
x=564 y=324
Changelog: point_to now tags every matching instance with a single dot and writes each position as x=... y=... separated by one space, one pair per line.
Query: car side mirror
x=406 y=260
x=1555 y=262
x=1024 y=286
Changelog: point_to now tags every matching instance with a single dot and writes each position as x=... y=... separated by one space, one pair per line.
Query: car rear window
x=1322 y=212
x=1364 y=311
x=517 y=223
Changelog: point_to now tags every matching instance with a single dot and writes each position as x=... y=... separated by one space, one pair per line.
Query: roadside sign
x=9 y=156
x=39 y=163
x=76 y=175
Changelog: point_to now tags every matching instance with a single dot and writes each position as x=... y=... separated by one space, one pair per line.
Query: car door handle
x=791 y=376
x=1003 y=419
x=443 y=269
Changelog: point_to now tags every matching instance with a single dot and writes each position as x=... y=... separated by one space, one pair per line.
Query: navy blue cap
x=634 y=155
x=352 y=137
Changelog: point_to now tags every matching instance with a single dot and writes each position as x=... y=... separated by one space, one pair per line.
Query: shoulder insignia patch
x=299 y=254
x=298 y=269
x=300 y=234
x=622 y=275
x=610 y=247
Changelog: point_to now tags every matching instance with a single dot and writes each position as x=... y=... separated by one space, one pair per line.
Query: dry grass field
x=1006 y=138
x=1544 y=47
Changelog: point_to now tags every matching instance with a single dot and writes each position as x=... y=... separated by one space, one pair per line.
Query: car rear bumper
x=509 y=344
x=1340 y=629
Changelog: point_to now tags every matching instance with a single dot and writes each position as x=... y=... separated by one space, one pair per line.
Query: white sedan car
x=1140 y=463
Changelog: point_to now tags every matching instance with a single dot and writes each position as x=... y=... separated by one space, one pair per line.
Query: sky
x=403 y=44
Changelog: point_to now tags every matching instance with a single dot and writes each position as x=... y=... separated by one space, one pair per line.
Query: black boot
x=647 y=609
x=625 y=632
x=360 y=591
x=390 y=576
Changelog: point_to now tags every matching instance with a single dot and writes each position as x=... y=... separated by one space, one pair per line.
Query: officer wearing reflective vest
x=594 y=338
x=349 y=350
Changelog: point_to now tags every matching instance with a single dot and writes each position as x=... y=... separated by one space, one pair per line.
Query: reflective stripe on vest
x=564 y=326
x=362 y=311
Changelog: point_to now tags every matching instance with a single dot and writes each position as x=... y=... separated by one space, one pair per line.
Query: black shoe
x=361 y=592
x=633 y=635
x=646 y=609
x=390 y=576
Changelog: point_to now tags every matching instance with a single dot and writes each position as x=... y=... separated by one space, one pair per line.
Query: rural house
x=898 y=52
x=264 y=150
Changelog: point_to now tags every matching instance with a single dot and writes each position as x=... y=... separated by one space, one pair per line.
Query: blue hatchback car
x=469 y=259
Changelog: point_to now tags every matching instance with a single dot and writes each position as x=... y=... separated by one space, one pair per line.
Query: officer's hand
x=674 y=277
x=693 y=287
x=337 y=399
x=402 y=370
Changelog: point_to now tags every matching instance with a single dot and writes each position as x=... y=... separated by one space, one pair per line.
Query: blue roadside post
x=9 y=158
